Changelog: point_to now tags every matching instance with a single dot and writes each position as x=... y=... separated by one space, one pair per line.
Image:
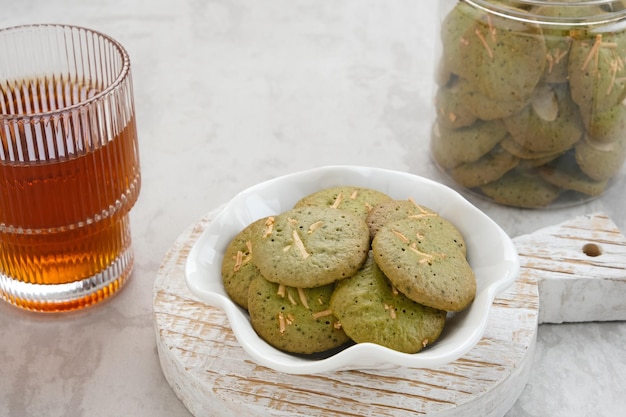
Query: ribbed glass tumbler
x=69 y=167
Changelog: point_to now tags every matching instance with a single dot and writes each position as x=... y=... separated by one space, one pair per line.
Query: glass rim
x=123 y=74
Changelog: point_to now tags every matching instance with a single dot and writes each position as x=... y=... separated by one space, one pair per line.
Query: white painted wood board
x=580 y=266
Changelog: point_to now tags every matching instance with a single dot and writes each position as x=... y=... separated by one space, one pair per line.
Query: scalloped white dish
x=490 y=252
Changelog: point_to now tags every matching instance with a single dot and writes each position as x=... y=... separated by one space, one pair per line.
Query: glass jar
x=530 y=96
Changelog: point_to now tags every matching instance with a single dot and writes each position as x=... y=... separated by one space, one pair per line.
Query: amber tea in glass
x=69 y=167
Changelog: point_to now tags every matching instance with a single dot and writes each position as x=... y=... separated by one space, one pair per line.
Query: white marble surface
x=231 y=92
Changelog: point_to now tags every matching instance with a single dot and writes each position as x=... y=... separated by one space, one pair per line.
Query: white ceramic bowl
x=491 y=253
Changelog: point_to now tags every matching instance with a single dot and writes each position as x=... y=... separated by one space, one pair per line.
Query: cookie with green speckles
x=424 y=261
x=453 y=29
x=511 y=146
x=554 y=127
x=358 y=200
x=559 y=39
x=601 y=161
x=504 y=59
x=294 y=320
x=485 y=108
x=565 y=173
x=597 y=76
x=395 y=210
x=453 y=147
x=371 y=310
x=607 y=127
x=452 y=112
x=521 y=189
x=310 y=246
x=238 y=270
x=487 y=169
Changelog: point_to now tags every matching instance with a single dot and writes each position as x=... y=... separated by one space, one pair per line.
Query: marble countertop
x=232 y=92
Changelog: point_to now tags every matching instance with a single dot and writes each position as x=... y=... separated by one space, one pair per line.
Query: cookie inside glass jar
x=551 y=76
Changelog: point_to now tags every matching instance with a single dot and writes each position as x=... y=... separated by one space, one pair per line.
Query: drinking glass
x=69 y=167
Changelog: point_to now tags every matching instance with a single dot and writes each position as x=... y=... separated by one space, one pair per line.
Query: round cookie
x=424 y=261
x=371 y=310
x=358 y=200
x=452 y=112
x=554 y=129
x=596 y=71
x=565 y=173
x=558 y=39
x=520 y=189
x=531 y=164
x=609 y=126
x=511 y=146
x=557 y=57
x=451 y=148
x=601 y=161
x=238 y=270
x=310 y=246
x=395 y=210
x=294 y=320
x=504 y=59
x=487 y=169
x=453 y=29
x=485 y=108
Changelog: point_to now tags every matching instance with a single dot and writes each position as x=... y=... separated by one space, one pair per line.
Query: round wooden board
x=213 y=376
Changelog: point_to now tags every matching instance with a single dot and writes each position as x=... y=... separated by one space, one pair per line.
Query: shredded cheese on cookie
x=338 y=201
x=269 y=226
x=298 y=242
x=303 y=298
x=323 y=313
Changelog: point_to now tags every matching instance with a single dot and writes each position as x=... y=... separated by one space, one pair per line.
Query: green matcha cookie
x=597 y=76
x=395 y=210
x=358 y=200
x=601 y=161
x=607 y=127
x=371 y=310
x=504 y=59
x=521 y=189
x=487 y=169
x=424 y=261
x=451 y=148
x=238 y=270
x=294 y=320
x=485 y=108
x=452 y=112
x=565 y=173
x=533 y=164
x=559 y=39
x=310 y=246
x=550 y=124
x=453 y=30
x=557 y=58
x=511 y=146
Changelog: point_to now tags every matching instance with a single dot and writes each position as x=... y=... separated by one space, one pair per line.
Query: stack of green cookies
x=349 y=265
x=530 y=112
